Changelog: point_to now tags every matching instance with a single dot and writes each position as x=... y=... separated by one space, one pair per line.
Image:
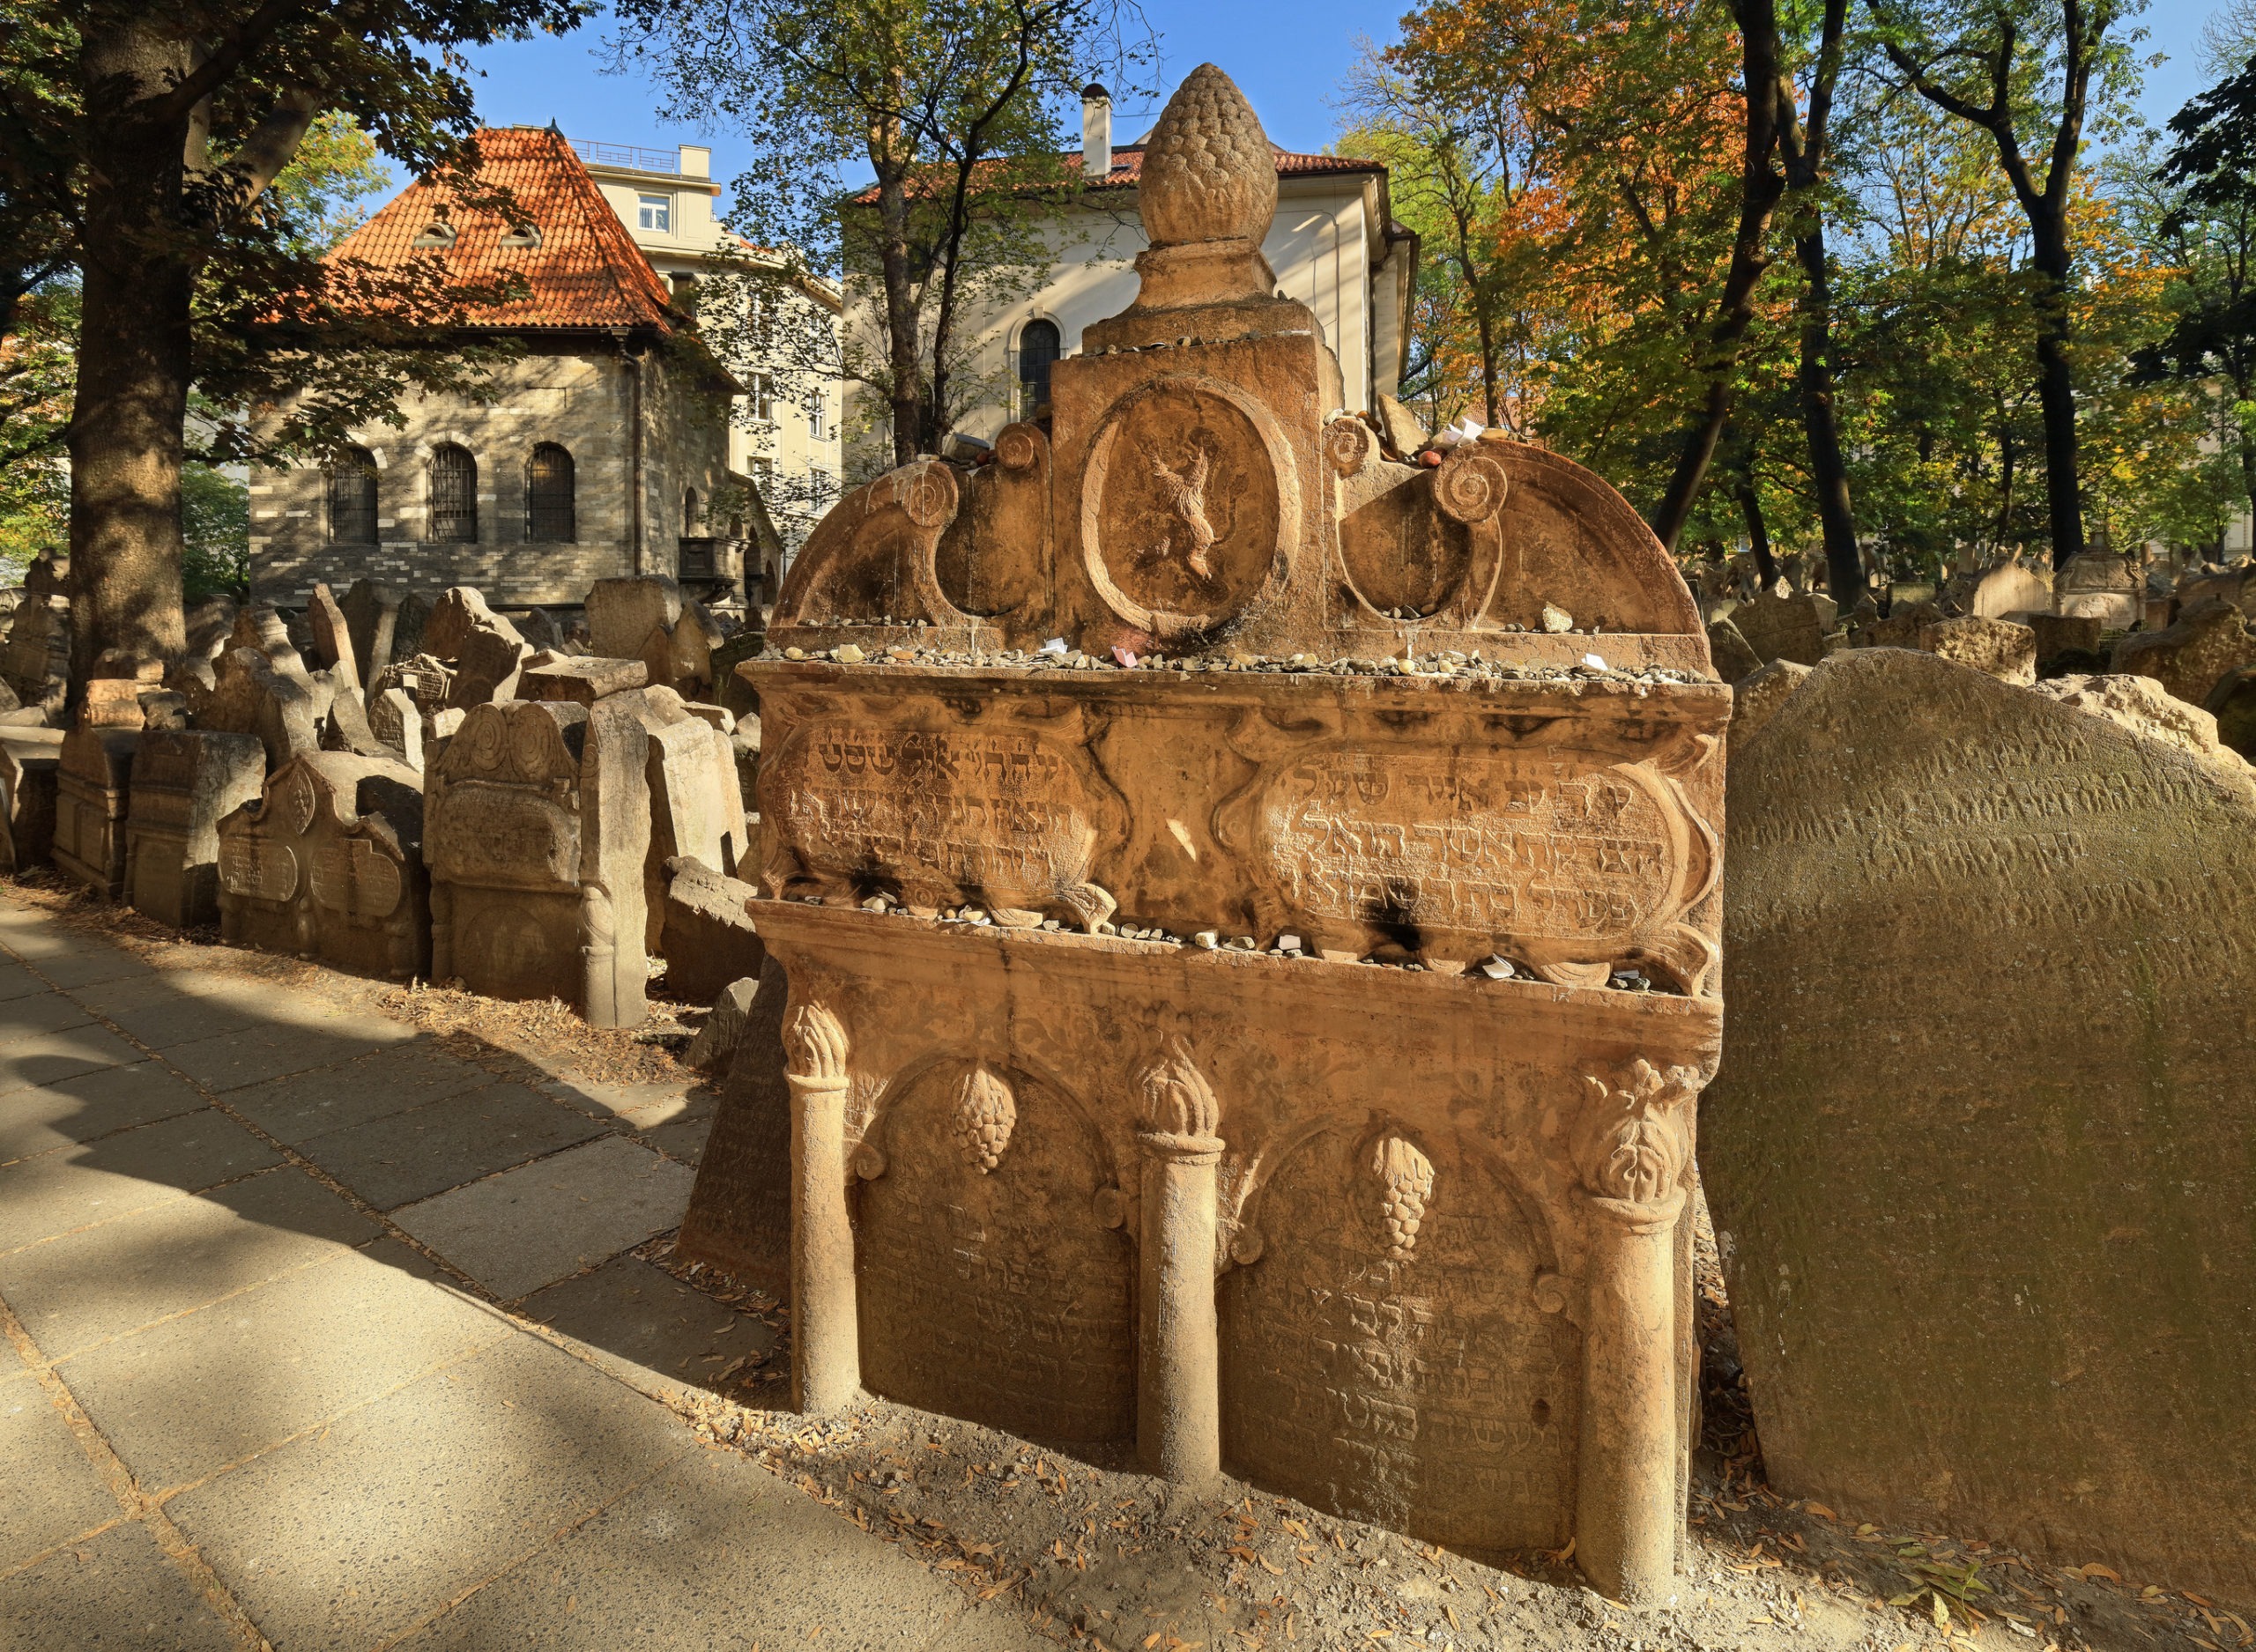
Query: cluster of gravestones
x=412 y=789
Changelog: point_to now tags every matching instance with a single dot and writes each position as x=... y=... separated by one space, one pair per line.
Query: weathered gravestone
x=2208 y=643
x=93 y=786
x=2008 y=590
x=1405 y=1243
x=2101 y=586
x=739 y=1216
x=328 y=864
x=185 y=782
x=2005 y=650
x=622 y=613
x=1979 y=1141
x=31 y=761
x=250 y=696
x=708 y=940
x=540 y=819
x=1786 y=627
x=35 y=664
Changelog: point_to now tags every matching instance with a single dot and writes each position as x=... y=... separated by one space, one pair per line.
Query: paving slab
x=533 y=1226
x=53 y=1489
x=716 y=1553
x=68 y=960
x=117 y=1592
x=678 y=1126
x=33 y=1014
x=51 y=1057
x=358 y=1532
x=231 y=1060
x=648 y=1328
x=373 y=1087
x=188 y=1396
x=93 y=1104
x=178 y=1007
x=117 y=1277
x=443 y=1144
x=15 y=981
x=97 y=1181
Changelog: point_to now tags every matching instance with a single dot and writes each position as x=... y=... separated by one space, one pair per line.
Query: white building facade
x=787 y=443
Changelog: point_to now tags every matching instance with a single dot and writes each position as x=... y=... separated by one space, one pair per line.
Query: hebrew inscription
x=1475 y=846
x=940 y=814
x=1391 y=1372
x=995 y=1293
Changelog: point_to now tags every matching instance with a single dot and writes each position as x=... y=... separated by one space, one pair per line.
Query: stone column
x=1627 y=1514
x=1178 y=1399
x=825 y=1339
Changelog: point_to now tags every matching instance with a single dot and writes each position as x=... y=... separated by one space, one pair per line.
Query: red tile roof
x=586 y=272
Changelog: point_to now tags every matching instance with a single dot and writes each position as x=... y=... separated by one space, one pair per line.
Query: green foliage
x=215 y=526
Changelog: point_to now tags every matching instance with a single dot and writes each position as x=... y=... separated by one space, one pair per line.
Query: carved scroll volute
x=985 y=1115
x=814 y=1046
x=854 y=565
x=1179 y=1114
x=1636 y=1139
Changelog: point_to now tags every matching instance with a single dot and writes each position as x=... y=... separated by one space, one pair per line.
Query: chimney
x=696 y=161
x=1096 y=131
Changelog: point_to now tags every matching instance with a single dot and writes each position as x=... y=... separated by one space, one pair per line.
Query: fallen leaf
x=2097 y=1570
x=1821 y=1511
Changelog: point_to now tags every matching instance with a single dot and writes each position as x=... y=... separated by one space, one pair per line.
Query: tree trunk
x=1829 y=471
x=1760 y=187
x=2056 y=389
x=908 y=399
x=1758 y=535
x=135 y=361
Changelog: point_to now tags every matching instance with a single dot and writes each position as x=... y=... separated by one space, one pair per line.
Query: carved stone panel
x=92 y=798
x=1007 y=816
x=1185 y=496
x=1382 y=1356
x=989 y=1286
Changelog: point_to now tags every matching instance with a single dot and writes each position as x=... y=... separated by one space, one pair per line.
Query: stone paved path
x=315 y=1336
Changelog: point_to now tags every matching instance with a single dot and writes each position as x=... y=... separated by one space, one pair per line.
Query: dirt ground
x=1100 y=1556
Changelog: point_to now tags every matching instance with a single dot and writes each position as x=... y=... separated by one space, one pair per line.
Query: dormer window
x=522 y=235
x=437 y=232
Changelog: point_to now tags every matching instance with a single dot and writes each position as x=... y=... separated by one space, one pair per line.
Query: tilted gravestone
x=185 y=782
x=1404 y=1242
x=1979 y=1141
x=539 y=829
x=2209 y=642
x=250 y=696
x=327 y=863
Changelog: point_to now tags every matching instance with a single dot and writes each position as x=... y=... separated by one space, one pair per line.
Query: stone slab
x=15 y=981
x=655 y=1332
x=121 y=1275
x=231 y=1060
x=539 y=1223
x=372 y=1086
x=69 y=961
x=355 y=1534
x=187 y=1396
x=715 y=1553
x=443 y=1144
x=51 y=1057
x=162 y=1010
x=57 y=1193
x=31 y=1016
x=41 y=1119
x=124 y=1597
x=53 y=1489
x=739 y=1218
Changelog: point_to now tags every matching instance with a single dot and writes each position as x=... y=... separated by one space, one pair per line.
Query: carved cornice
x=815 y=1045
x=1637 y=1137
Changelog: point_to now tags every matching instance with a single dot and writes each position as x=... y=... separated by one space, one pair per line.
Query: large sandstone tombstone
x=2009 y=589
x=1407 y=1241
x=249 y=695
x=740 y=1212
x=2101 y=586
x=371 y=620
x=539 y=827
x=185 y=782
x=696 y=804
x=707 y=938
x=2209 y=642
x=31 y=761
x=1786 y=627
x=326 y=863
x=1980 y=1136
x=623 y=612
x=93 y=786
x=35 y=664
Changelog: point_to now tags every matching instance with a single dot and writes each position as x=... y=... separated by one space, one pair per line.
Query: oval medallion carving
x=1183 y=508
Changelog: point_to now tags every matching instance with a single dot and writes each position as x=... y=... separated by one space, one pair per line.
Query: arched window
x=549 y=505
x=353 y=497
x=454 y=495
x=1039 y=348
x=692 y=517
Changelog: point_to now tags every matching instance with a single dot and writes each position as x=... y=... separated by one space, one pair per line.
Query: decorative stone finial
x=815 y=1044
x=1178 y=1099
x=1210 y=172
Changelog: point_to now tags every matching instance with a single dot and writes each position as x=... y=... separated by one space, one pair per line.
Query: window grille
x=454 y=496
x=1039 y=347
x=353 y=497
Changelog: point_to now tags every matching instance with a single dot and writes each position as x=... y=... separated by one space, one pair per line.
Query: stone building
x=600 y=455
x=1333 y=244
x=784 y=434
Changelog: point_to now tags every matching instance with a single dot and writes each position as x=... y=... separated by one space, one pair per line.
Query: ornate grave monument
x=328 y=864
x=1214 y=1031
x=185 y=782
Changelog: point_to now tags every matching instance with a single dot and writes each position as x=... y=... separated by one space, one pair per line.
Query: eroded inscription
x=258 y=869
x=1420 y=1391
x=996 y=1297
x=1471 y=846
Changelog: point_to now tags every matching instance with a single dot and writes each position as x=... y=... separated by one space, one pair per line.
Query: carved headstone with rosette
x=1380 y=1203
x=328 y=864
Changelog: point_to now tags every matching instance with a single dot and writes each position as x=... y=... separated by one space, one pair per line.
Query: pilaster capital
x=814 y=1046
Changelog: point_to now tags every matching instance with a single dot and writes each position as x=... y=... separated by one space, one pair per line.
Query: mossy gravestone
x=1983 y=1138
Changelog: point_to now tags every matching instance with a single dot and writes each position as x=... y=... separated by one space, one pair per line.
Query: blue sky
x=1289 y=58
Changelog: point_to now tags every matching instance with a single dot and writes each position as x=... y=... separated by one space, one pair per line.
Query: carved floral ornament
x=1636 y=1142
x=815 y=1045
x=1408 y=1178
x=1178 y=1105
x=984 y=1116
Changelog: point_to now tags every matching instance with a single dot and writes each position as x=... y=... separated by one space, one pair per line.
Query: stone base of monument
x=184 y=783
